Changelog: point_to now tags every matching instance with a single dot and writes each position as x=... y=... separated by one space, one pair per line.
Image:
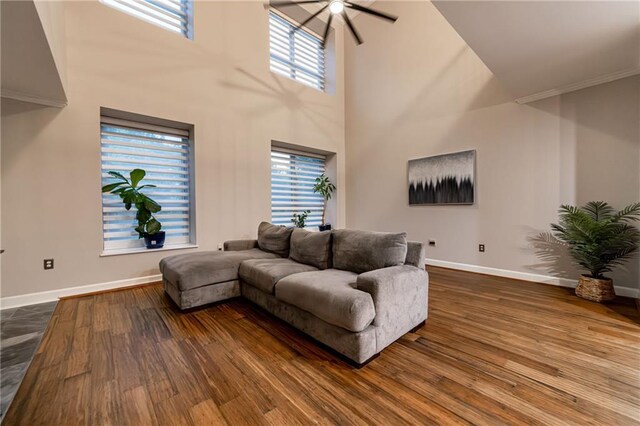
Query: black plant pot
x=154 y=241
x=326 y=227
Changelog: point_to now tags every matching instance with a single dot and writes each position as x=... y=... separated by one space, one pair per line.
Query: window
x=293 y=175
x=165 y=154
x=296 y=54
x=172 y=15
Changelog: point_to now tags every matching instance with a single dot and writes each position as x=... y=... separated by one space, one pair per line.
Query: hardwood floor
x=493 y=351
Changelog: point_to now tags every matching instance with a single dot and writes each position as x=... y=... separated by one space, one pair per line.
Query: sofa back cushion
x=274 y=238
x=311 y=248
x=363 y=251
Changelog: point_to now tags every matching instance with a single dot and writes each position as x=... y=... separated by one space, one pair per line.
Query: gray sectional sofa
x=354 y=291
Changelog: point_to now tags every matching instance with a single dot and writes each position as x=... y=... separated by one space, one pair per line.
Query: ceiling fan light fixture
x=336 y=6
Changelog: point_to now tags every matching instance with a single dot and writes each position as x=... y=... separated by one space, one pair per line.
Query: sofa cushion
x=329 y=295
x=416 y=254
x=263 y=274
x=311 y=248
x=274 y=238
x=193 y=270
x=363 y=251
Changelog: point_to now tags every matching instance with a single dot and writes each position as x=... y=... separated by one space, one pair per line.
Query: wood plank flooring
x=493 y=351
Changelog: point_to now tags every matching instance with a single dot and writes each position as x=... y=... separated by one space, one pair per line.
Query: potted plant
x=598 y=239
x=149 y=227
x=325 y=188
x=300 y=219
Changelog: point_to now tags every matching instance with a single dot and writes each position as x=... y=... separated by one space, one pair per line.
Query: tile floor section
x=21 y=330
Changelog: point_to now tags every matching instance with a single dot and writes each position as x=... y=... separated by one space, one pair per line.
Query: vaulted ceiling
x=539 y=49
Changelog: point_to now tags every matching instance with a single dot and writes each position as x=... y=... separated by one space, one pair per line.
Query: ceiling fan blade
x=354 y=33
x=370 y=11
x=327 y=28
x=293 y=3
x=306 y=21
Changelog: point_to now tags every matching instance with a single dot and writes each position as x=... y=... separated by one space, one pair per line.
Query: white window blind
x=164 y=154
x=296 y=54
x=172 y=15
x=293 y=176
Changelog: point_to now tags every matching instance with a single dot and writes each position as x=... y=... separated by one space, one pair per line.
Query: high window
x=172 y=15
x=164 y=153
x=293 y=176
x=296 y=54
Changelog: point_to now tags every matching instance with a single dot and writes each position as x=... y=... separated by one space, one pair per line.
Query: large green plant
x=129 y=191
x=597 y=236
x=324 y=187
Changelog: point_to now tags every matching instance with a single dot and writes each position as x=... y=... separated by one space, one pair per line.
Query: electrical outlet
x=48 y=264
x=481 y=248
x=432 y=243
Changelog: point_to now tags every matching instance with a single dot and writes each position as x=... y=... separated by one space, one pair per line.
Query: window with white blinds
x=296 y=54
x=293 y=176
x=172 y=15
x=165 y=155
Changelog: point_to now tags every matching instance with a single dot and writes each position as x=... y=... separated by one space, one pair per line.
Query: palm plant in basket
x=599 y=239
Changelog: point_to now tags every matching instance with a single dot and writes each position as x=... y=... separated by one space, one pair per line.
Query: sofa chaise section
x=196 y=279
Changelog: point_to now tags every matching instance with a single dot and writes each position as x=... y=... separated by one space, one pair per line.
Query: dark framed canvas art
x=443 y=179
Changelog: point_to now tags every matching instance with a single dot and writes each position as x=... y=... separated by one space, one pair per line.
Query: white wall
x=415 y=89
x=220 y=82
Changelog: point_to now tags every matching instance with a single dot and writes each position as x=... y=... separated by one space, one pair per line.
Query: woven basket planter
x=598 y=290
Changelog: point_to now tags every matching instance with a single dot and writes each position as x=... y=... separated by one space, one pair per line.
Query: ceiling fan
x=336 y=7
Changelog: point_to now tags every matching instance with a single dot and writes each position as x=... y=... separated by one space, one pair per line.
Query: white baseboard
x=53 y=295
x=525 y=276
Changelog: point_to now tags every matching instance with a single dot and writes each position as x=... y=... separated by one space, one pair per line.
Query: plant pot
x=596 y=289
x=154 y=241
x=326 y=227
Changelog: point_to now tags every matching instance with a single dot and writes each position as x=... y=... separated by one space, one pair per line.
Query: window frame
x=297 y=65
x=136 y=122
x=139 y=9
x=304 y=184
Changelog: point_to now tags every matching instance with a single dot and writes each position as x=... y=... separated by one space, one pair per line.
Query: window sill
x=138 y=250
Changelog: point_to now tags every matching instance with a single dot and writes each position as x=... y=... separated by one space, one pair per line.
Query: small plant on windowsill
x=149 y=227
x=325 y=188
x=598 y=239
x=299 y=220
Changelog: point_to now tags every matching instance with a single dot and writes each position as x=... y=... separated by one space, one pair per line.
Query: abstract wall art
x=442 y=179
